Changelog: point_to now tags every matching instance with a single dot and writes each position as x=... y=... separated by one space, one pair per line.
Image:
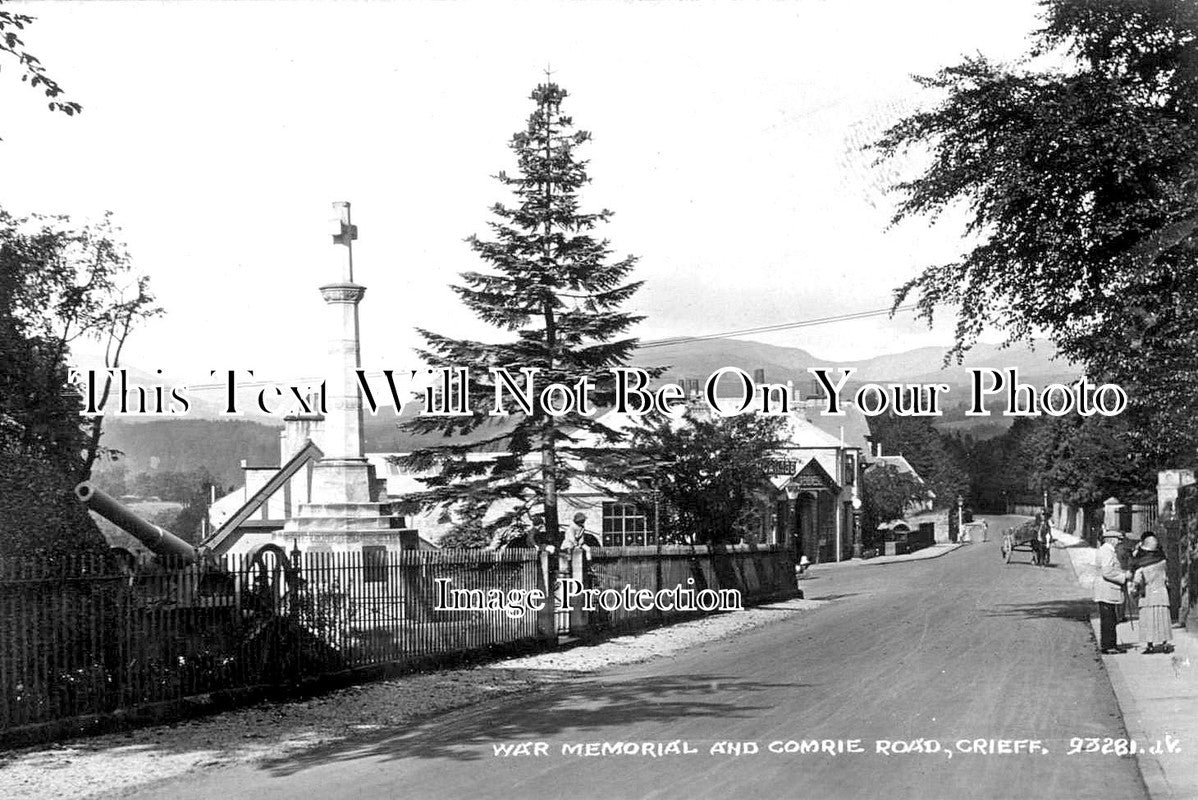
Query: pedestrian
x=579 y=538
x=985 y=530
x=1127 y=550
x=538 y=537
x=1139 y=550
x=1041 y=538
x=1108 y=591
x=1151 y=579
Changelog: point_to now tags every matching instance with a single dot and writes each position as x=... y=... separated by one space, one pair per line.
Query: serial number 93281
x=1105 y=746
x=1122 y=747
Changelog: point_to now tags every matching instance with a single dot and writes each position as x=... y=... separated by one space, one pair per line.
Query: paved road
x=958 y=647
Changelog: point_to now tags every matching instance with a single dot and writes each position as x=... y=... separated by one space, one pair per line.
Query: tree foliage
x=1078 y=167
x=938 y=458
x=1080 y=461
x=58 y=284
x=888 y=493
x=555 y=285
x=702 y=474
x=12 y=25
x=1007 y=468
x=189 y=521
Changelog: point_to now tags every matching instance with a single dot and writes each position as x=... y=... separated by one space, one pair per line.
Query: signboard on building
x=780 y=466
x=816 y=478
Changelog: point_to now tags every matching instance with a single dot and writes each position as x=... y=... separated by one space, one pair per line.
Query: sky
x=726 y=140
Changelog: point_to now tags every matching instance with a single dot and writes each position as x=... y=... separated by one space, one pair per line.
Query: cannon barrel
x=161 y=542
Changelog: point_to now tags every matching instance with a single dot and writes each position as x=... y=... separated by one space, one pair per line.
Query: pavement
x=1157 y=694
x=935 y=551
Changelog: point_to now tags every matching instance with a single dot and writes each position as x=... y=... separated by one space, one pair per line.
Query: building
x=815 y=478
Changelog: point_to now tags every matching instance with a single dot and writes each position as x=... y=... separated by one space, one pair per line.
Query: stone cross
x=345 y=233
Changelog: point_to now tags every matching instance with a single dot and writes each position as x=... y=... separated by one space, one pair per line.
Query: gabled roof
x=898 y=462
x=810 y=467
x=222 y=538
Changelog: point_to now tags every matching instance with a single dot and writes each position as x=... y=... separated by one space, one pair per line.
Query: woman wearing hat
x=1150 y=578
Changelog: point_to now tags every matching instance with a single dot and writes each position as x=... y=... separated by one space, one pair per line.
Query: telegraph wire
x=646 y=345
x=782 y=326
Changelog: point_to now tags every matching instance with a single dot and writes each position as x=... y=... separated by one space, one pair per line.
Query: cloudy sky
x=726 y=140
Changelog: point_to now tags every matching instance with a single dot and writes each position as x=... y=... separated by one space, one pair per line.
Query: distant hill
x=926 y=365
x=186 y=444
x=699 y=359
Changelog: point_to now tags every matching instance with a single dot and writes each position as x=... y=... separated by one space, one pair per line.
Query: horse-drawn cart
x=1029 y=537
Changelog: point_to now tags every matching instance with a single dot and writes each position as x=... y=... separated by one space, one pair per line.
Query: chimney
x=759 y=376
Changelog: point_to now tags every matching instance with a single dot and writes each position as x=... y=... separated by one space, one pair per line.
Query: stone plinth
x=363 y=517
x=343 y=480
x=323 y=541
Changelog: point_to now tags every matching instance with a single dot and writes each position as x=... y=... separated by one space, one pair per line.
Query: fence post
x=579 y=619
x=546 y=619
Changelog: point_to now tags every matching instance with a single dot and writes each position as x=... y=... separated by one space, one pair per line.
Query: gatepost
x=546 y=617
x=578 y=616
x=1173 y=515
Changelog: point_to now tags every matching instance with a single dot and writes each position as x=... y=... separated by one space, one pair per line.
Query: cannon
x=162 y=542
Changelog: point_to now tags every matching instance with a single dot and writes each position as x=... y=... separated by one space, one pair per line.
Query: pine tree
x=555 y=285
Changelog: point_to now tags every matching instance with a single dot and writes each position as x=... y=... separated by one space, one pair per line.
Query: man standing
x=1108 y=591
x=1126 y=551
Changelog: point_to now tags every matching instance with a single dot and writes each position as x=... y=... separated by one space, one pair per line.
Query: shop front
x=809 y=519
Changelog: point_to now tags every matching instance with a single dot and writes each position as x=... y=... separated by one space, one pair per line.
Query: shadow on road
x=1078 y=610
x=590 y=710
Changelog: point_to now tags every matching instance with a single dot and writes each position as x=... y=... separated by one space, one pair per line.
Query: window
x=625 y=525
x=374 y=563
x=850 y=469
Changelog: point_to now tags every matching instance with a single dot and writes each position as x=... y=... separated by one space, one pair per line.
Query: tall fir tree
x=556 y=286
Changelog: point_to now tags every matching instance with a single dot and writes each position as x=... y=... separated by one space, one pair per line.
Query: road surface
x=961 y=647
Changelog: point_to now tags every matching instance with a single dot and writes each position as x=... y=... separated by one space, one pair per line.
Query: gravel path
x=104 y=766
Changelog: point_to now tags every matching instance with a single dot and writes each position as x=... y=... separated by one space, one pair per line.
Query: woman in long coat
x=1155 y=625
